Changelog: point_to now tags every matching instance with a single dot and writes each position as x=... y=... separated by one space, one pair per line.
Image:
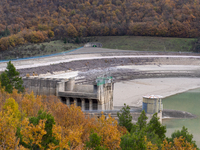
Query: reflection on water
x=188 y=101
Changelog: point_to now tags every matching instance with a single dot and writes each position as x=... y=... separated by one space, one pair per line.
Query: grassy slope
x=139 y=43
x=39 y=49
x=145 y=43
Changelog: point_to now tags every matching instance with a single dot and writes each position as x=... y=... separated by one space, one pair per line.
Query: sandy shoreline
x=131 y=92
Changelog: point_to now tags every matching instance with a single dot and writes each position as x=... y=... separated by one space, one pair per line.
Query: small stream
x=188 y=101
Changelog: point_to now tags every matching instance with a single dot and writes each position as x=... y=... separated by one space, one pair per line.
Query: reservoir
x=188 y=101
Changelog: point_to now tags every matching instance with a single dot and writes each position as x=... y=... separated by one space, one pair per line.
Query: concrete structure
x=93 y=44
x=153 y=104
x=98 y=96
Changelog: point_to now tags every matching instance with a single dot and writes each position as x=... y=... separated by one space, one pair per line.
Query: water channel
x=188 y=101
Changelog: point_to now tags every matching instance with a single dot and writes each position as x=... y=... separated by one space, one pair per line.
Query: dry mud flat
x=131 y=92
x=123 y=68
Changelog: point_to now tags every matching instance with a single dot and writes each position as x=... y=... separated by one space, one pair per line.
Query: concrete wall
x=84 y=88
x=66 y=88
x=41 y=86
x=105 y=96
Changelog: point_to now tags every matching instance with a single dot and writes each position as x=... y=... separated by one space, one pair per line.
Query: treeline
x=24 y=37
x=174 y=18
x=43 y=122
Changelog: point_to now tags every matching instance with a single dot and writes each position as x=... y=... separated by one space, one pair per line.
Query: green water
x=188 y=101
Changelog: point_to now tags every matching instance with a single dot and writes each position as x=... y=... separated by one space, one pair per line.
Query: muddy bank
x=167 y=113
x=85 y=65
x=90 y=69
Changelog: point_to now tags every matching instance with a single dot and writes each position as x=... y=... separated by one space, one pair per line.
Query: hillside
x=136 y=43
x=40 y=20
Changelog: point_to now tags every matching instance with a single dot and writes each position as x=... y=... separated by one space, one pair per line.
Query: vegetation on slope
x=137 y=43
x=39 y=20
x=43 y=122
x=147 y=43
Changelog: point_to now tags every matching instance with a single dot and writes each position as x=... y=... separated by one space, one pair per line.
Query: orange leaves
x=106 y=31
x=71 y=30
x=4 y=43
x=74 y=127
x=179 y=144
x=71 y=131
x=9 y=121
x=35 y=36
x=32 y=135
x=7 y=132
x=71 y=127
x=31 y=104
x=69 y=138
x=54 y=13
x=108 y=130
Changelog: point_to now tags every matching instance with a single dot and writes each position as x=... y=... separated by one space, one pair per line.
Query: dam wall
x=98 y=96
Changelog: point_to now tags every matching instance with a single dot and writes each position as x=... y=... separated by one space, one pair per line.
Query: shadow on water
x=190 y=102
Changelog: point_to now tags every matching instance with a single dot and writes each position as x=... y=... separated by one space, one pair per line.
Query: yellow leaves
x=35 y=36
x=108 y=130
x=43 y=27
x=69 y=138
x=179 y=144
x=50 y=34
x=11 y=112
x=8 y=126
x=30 y=104
x=11 y=41
x=150 y=146
x=33 y=134
x=72 y=127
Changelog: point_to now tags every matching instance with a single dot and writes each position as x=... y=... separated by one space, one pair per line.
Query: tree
x=178 y=144
x=32 y=134
x=9 y=121
x=157 y=127
x=142 y=120
x=125 y=118
x=143 y=135
x=46 y=138
x=95 y=142
x=132 y=141
x=107 y=129
x=7 y=31
x=71 y=30
x=184 y=134
x=10 y=79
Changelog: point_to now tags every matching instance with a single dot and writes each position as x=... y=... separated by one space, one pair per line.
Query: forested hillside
x=38 y=20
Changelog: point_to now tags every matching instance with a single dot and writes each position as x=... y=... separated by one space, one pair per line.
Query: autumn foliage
x=36 y=20
x=21 y=128
x=43 y=122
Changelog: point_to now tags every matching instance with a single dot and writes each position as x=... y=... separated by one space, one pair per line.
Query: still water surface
x=188 y=101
